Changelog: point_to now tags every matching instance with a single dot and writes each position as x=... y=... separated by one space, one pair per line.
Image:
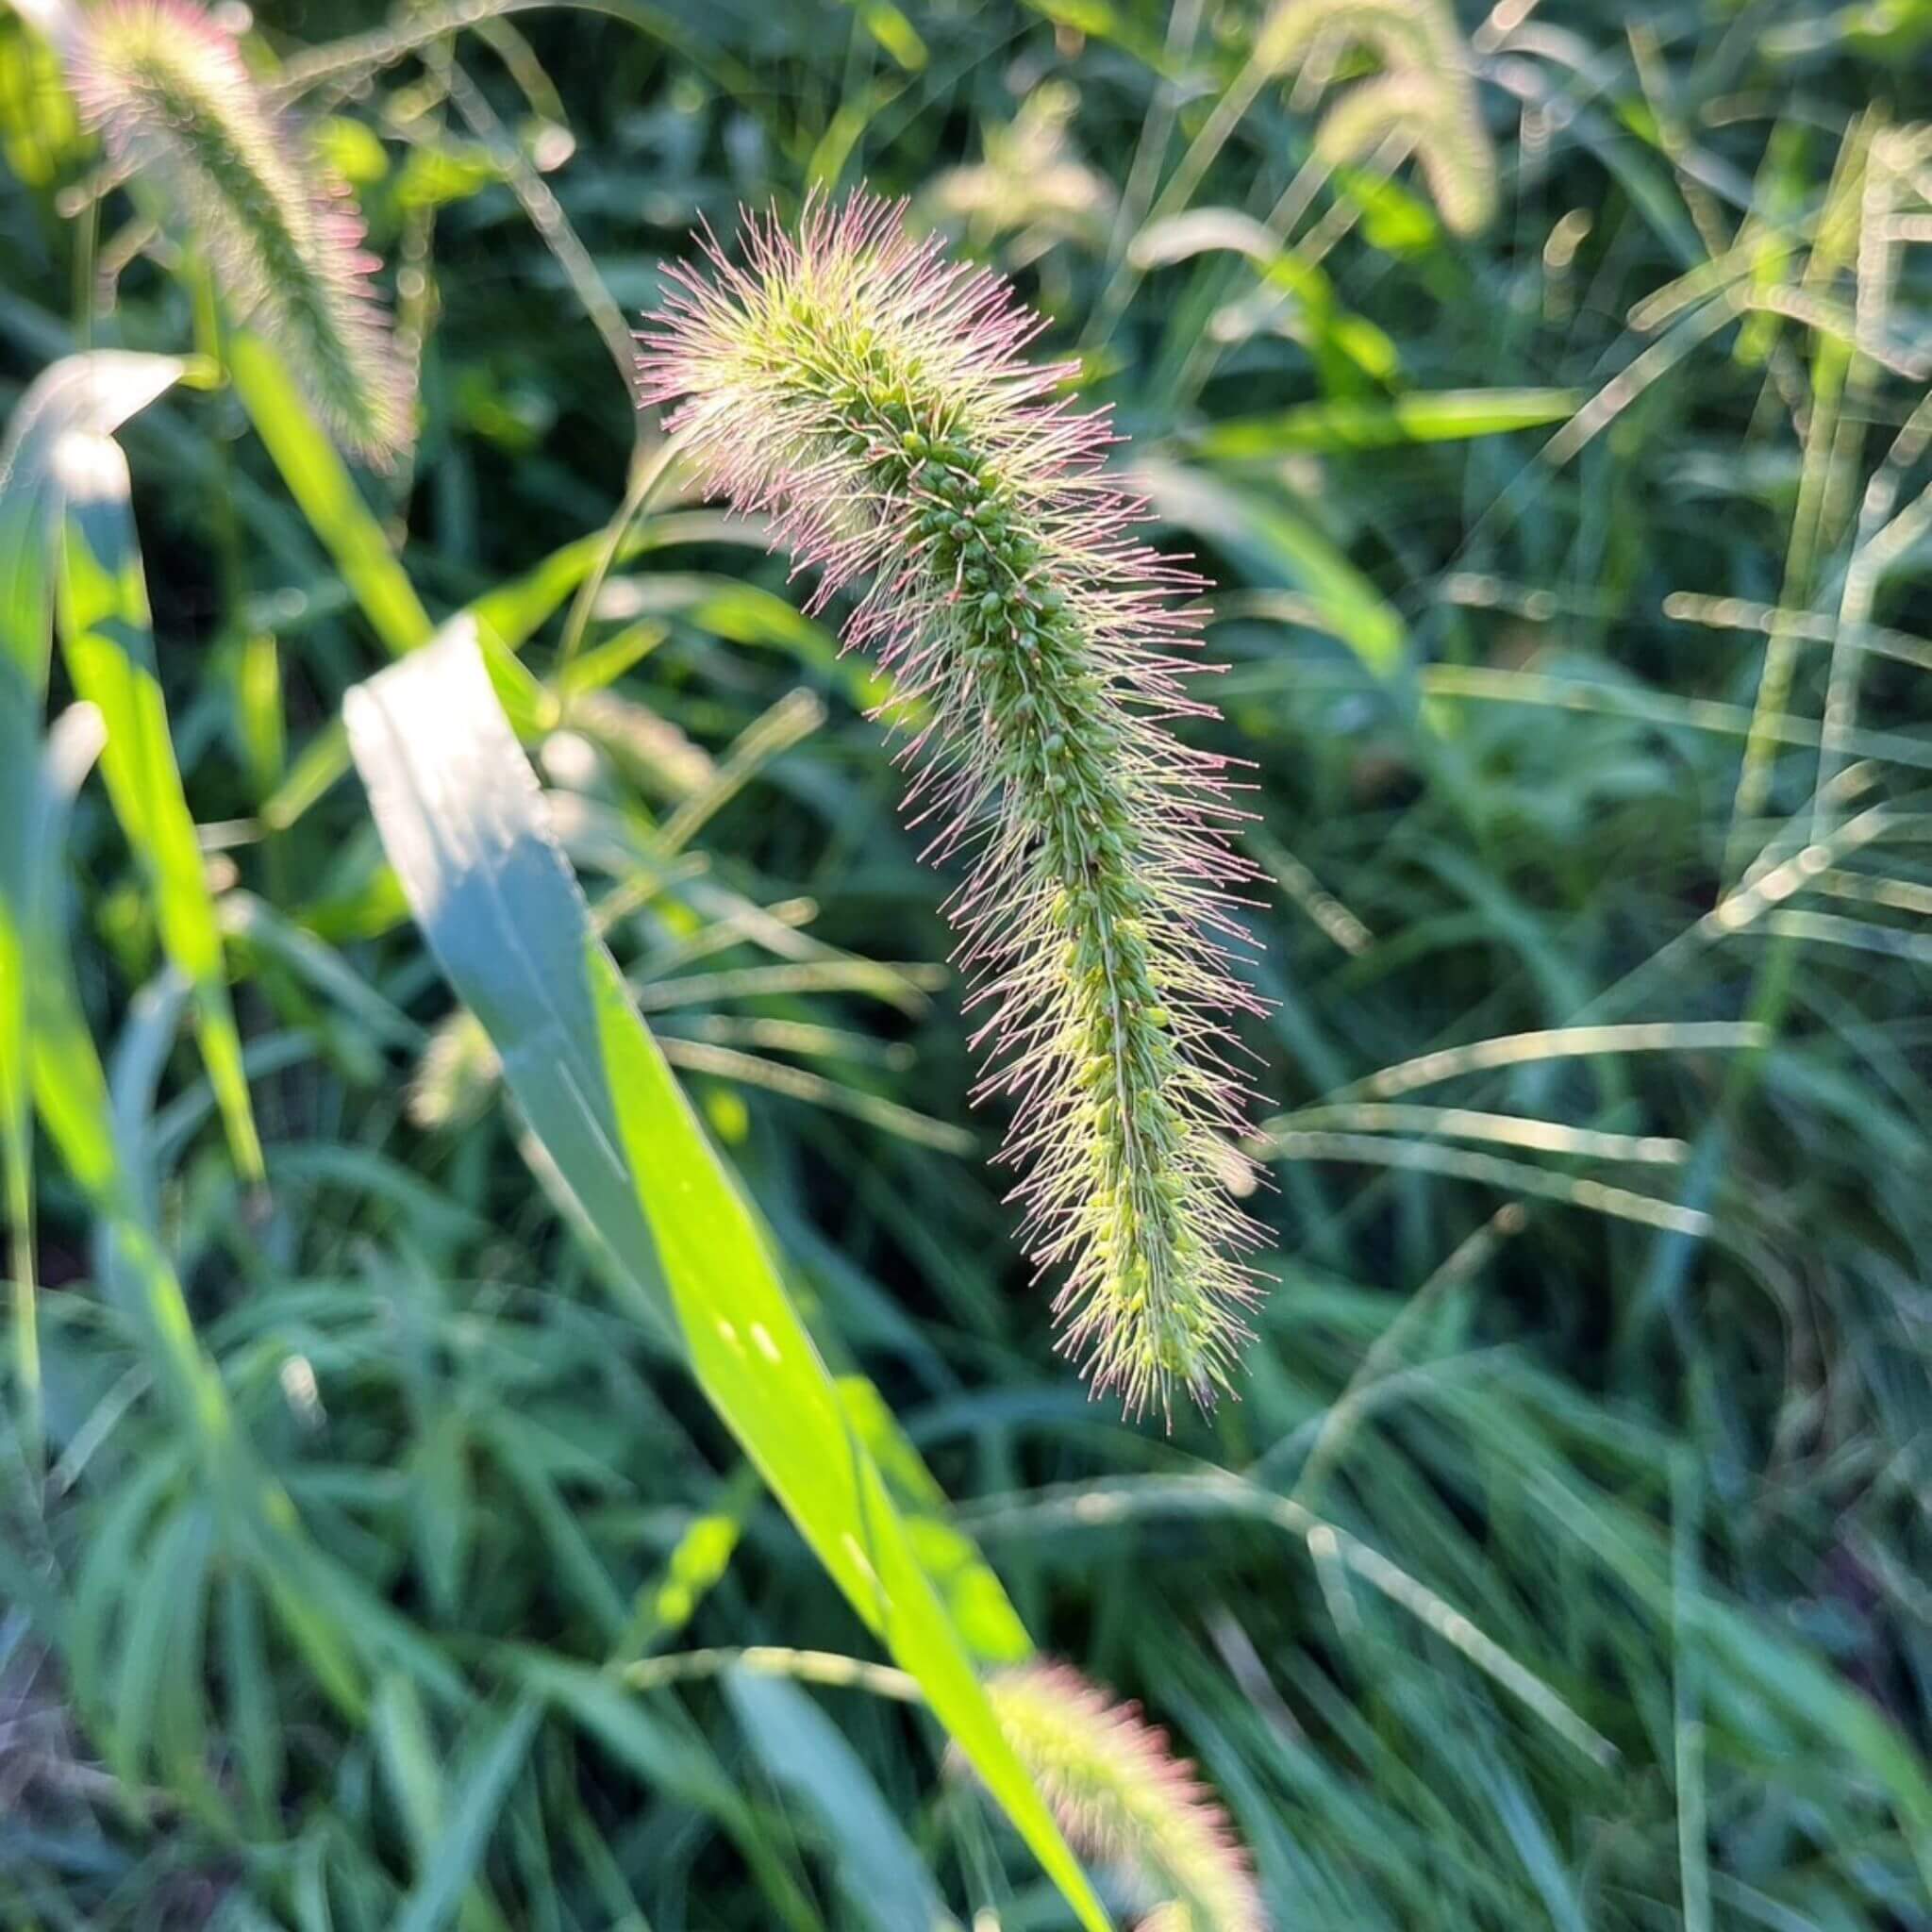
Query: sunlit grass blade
x=460 y=815
x=982 y=1612
x=1509 y=1130
x=1430 y=1156
x=1555 y=1042
x=91 y=395
x=320 y=482
x=108 y=640
x=1385 y=422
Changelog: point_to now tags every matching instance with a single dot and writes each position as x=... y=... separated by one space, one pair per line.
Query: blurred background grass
x=1565 y=1560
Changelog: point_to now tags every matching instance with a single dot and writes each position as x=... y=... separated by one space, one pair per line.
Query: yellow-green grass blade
x=94 y=394
x=967 y=1584
x=461 y=817
x=1357 y=422
x=107 y=638
x=322 y=486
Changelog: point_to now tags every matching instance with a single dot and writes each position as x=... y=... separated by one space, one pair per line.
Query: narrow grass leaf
x=483 y=1785
x=885 y=1883
x=107 y=638
x=320 y=482
x=70 y=1089
x=1344 y=423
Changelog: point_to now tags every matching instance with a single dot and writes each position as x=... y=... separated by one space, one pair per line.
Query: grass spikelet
x=874 y=399
x=1426 y=91
x=1124 y=1800
x=456 y=1075
x=1451 y=146
x=171 y=97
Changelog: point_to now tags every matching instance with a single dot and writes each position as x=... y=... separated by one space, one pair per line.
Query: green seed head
x=1040 y=639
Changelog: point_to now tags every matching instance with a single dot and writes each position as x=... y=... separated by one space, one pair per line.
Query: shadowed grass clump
x=172 y=98
x=874 y=397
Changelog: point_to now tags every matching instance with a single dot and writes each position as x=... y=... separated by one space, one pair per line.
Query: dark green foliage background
x=1682 y=1480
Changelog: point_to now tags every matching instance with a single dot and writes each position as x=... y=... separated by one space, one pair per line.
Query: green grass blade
x=68 y=1083
x=1452 y=415
x=107 y=638
x=482 y=1787
x=320 y=482
x=885 y=1883
x=459 y=812
x=94 y=394
x=1281 y=546
x=19 y=756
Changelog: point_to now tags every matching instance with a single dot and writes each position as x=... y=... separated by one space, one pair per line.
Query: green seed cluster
x=1052 y=750
x=1025 y=636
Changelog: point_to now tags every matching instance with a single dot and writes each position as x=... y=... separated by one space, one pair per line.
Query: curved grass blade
x=454 y=1853
x=460 y=813
x=882 y=1878
x=94 y=394
x=107 y=640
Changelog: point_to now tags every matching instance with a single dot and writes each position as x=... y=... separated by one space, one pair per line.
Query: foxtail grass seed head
x=1124 y=1800
x=874 y=399
x=172 y=98
x=1426 y=92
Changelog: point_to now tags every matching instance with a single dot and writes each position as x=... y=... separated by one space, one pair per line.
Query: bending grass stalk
x=1489 y=1170
x=874 y=399
x=1066 y=1505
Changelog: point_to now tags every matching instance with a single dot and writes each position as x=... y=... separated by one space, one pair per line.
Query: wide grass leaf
x=461 y=817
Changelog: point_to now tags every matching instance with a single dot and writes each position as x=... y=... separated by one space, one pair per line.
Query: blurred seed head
x=1126 y=1800
x=173 y=100
x=1426 y=92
